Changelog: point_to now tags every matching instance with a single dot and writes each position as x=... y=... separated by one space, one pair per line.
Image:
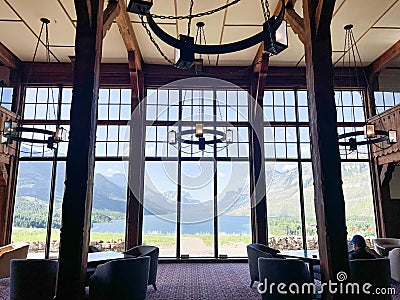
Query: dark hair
x=359 y=241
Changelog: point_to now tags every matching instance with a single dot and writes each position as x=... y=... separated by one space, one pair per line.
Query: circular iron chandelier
x=274 y=34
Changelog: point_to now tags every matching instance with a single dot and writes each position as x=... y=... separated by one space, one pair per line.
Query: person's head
x=358 y=242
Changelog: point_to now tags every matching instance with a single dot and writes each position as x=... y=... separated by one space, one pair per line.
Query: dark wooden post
x=329 y=199
x=77 y=202
x=134 y=213
x=257 y=160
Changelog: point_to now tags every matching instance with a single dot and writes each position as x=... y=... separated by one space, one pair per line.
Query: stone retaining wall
x=281 y=243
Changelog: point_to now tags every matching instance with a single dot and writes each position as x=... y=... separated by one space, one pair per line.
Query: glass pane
x=160 y=203
x=311 y=221
x=234 y=222
x=197 y=227
x=109 y=206
x=358 y=198
x=31 y=206
x=283 y=202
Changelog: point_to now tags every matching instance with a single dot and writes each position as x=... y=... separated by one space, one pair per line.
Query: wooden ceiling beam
x=261 y=60
x=109 y=15
x=382 y=61
x=296 y=23
x=7 y=58
x=128 y=34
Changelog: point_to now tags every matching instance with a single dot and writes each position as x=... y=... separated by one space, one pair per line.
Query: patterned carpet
x=195 y=281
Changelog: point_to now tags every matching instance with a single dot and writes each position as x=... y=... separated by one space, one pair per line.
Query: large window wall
x=197 y=203
x=35 y=170
x=290 y=190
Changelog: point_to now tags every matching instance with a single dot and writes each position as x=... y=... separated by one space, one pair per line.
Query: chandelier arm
x=216 y=49
x=32 y=141
x=355 y=133
x=34 y=130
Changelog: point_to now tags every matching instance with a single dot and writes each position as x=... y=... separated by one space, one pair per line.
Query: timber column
x=77 y=202
x=326 y=163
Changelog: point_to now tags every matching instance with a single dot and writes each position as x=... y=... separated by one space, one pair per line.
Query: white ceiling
x=376 y=29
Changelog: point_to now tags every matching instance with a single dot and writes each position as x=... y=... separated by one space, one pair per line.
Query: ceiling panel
x=248 y=12
x=69 y=7
x=376 y=42
x=240 y=58
x=391 y=18
x=61 y=30
x=148 y=50
x=213 y=24
x=6 y=12
x=62 y=53
x=361 y=13
x=23 y=46
x=237 y=33
x=114 y=50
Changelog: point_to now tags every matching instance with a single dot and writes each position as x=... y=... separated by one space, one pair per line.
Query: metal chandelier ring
x=275 y=22
x=384 y=137
x=210 y=131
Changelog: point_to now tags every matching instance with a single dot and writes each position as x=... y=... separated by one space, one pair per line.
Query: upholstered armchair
x=254 y=251
x=9 y=252
x=384 y=245
x=33 y=279
x=375 y=272
x=152 y=252
x=288 y=271
x=122 y=279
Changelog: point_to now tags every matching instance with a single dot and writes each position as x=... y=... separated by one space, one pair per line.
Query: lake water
x=152 y=224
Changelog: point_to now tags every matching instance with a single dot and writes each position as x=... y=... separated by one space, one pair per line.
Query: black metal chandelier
x=219 y=136
x=13 y=132
x=371 y=135
x=274 y=34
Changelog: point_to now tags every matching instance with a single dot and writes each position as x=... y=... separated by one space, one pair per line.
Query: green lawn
x=39 y=235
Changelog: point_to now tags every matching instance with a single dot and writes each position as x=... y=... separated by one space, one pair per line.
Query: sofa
x=9 y=252
x=384 y=245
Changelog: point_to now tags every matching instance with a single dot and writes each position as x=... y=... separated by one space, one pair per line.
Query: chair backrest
x=120 y=279
x=33 y=279
x=286 y=271
x=142 y=250
x=253 y=253
x=153 y=253
x=13 y=251
x=387 y=241
x=372 y=271
x=264 y=248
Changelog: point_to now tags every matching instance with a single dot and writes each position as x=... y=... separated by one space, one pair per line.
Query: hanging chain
x=190 y=16
x=199 y=15
x=267 y=16
x=155 y=43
